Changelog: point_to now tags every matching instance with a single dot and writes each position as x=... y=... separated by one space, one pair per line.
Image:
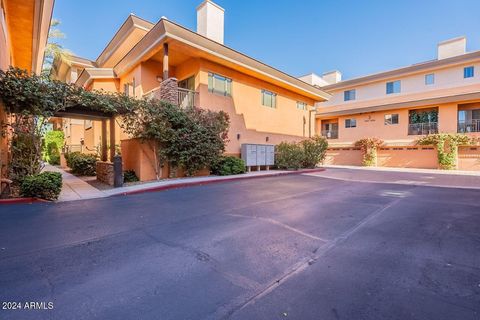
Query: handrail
x=469 y=126
x=423 y=128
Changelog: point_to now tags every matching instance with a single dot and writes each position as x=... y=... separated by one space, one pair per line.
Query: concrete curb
x=20 y=200
x=200 y=183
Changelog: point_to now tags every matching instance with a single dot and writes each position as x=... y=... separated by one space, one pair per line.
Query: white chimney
x=452 y=48
x=313 y=80
x=332 y=77
x=210 y=20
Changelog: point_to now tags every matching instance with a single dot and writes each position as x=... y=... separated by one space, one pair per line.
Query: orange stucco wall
x=138 y=156
x=408 y=157
x=469 y=158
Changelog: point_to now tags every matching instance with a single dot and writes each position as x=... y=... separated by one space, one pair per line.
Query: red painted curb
x=199 y=183
x=20 y=200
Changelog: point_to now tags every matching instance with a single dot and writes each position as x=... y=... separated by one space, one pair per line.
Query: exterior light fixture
x=267 y=138
x=238 y=136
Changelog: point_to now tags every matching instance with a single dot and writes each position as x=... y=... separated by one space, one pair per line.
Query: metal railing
x=469 y=126
x=330 y=134
x=423 y=128
x=187 y=98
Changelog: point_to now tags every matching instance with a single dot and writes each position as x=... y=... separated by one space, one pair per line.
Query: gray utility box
x=258 y=154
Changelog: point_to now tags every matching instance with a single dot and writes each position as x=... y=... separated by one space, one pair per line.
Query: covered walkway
x=75 y=188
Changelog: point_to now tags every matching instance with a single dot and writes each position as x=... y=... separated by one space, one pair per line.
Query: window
x=301 y=105
x=126 y=89
x=269 y=99
x=468 y=72
x=349 y=95
x=350 y=123
x=393 y=87
x=429 y=79
x=220 y=85
x=391 y=119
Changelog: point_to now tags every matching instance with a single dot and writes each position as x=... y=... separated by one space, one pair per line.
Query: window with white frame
x=350 y=123
x=393 y=87
x=219 y=84
x=301 y=105
x=349 y=95
x=391 y=119
x=269 y=99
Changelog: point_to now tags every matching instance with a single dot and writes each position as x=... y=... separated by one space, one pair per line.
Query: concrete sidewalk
x=75 y=188
x=419 y=177
x=407 y=170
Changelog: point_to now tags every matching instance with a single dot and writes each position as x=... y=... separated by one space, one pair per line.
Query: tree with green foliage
x=52 y=145
x=29 y=100
x=447 y=147
x=191 y=138
x=54 y=51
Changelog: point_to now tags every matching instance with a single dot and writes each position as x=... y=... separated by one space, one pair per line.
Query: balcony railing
x=423 y=128
x=469 y=126
x=330 y=134
x=187 y=98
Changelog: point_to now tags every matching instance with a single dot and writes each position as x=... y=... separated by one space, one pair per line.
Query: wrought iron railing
x=423 y=128
x=187 y=98
x=469 y=126
x=330 y=134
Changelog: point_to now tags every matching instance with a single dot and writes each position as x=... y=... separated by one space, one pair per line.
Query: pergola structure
x=87 y=114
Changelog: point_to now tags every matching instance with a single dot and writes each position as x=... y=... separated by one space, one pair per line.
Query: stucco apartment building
x=400 y=106
x=23 y=35
x=170 y=62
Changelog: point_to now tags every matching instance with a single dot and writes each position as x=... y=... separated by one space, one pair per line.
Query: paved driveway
x=293 y=247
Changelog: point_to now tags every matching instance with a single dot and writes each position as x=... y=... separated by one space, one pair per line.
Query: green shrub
x=53 y=142
x=314 y=151
x=46 y=185
x=130 y=176
x=69 y=157
x=82 y=164
x=289 y=155
x=228 y=165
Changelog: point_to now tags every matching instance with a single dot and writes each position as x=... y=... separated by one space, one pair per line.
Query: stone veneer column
x=169 y=91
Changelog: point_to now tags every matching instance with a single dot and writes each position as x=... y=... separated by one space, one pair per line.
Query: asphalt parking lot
x=291 y=247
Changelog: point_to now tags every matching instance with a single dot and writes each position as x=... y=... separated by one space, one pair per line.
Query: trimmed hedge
x=228 y=165
x=46 y=185
x=305 y=154
x=81 y=163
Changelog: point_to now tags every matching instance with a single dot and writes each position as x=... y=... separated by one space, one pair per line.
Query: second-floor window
x=350 y=123
x=391 y=119
x=429 y=79
x=301 y=105
x=393 y=87
x=219 y=84
x=349 y=95
x=468 y=72
x=269 y=99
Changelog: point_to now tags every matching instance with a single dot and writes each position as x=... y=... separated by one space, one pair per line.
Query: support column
x=104 y=140
x=165 y=61
x=112 y=138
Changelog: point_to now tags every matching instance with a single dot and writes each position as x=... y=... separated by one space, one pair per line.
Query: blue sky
x=357 y=37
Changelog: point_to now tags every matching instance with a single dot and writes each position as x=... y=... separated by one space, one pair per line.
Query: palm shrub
x=228 y=165
x=46 y=185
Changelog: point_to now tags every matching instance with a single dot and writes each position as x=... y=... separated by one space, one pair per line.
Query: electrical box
x=258 y=154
